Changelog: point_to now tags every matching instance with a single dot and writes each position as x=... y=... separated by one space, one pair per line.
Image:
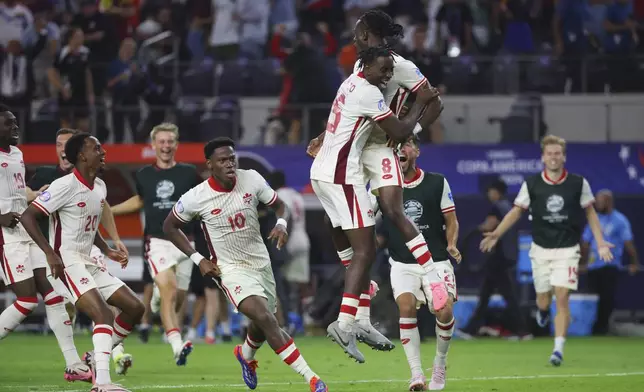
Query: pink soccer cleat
x=437 y=383
x=373 y=289
x=439 y=295
x=79 y=372
x=418 y=383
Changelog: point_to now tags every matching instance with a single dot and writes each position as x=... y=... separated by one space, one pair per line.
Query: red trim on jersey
x=564 y=173
x=349 y=195
x=399 y=171
x=383 y=116
x=520 y=206
x=82 y=179
x=343 y=156
x=358 y=212
x=416 y=176
x=273 y=200
x=213 y=255
x=40 y=207
x=178 y=217
x=417 y=85
x=448 y=209
x=360 y=75
x=57 y=233
x=218 y=187
x=5 y=150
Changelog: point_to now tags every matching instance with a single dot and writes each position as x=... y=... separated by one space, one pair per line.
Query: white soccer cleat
x=437 y=382
x=418 y=383
x=79 y=372
x=155 y=302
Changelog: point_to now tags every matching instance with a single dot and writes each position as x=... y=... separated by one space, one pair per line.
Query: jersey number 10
x=237 y=222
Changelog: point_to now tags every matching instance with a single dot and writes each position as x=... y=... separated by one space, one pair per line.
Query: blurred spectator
x=602 y=277
x=253 y=18
x=283 y=13
x=124 y=14
x=347 y=59
x=454 y=34
x=43 y=26
x=124 y=82
x=518 y=15
x=595 y=22
x=71 y=78
x=157 y=93
x=619 y=43
x=224 y=35
x=570 y=38
x=16 y=20
x=199 y=17
x=17 y=78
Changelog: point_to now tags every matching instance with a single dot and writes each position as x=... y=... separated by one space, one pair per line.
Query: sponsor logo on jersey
x=4 y=164
x=216 y=211
x=45 y=196
x=81 y=204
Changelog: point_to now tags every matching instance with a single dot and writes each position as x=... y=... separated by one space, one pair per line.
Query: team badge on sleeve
x=179 y=207
x=381 y=105
x=449 y=195
x=419 y=73
x=45 y=196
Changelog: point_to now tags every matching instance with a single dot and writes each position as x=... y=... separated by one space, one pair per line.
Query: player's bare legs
x=264 y=327
x=132 y=310
x=444 y=331
x=562 y=321
x=166 y=281
x=365 y=331
x=391 y=205
x=146 y=320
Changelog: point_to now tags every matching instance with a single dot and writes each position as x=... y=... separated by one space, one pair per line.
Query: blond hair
x=165 y=127
x=552 y=139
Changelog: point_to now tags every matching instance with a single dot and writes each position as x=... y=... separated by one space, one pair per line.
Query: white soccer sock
x=418 y=248
x=225 y=328
x=102 y=339
x=121 y=330
x=559 y=344
x=444 y=332
x=348 y=310
x=410 y=339
x=363 y=315
x=250 y=347
x=291 y=356
x=210 y=334
x=59 y=322
x=14 y=315
x=174 y=338
x=346 y=256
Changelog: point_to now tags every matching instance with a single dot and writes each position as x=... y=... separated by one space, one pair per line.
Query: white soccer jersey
x=407 y=79
x=229 y=218
x=358 y=105
x=13 y=194
x=74 y=209
x=298 y=239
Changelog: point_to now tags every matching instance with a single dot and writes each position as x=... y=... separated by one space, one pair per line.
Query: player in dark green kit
x=428 y=202
x=558 y=202
x=158 y=188
x=42 y=177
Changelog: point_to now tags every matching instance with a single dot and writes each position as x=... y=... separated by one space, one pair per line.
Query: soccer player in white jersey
x=382 y=169
x=23 y=266
x=226 y=204
x=338 y=180
x=75 y=204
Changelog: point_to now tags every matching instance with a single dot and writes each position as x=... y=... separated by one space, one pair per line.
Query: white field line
x=50 y=388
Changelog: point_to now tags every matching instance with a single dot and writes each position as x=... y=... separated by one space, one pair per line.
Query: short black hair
x=4 y=108
x=414 y=140
x=74 y=146
x=215 y=143
x=369 y=55
x=499 y=185
x=381 y=24
x=66 y=131
x=277 y=179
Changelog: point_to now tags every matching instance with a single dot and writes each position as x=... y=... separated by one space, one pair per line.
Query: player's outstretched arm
x=116 y=255
x=279 y=232
x=129 y=206
x=490 y=239
x=107 y=220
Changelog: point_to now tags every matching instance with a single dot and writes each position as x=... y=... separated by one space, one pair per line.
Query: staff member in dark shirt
x=499 y=269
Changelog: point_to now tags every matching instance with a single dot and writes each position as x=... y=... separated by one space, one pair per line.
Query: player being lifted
x=41 y=179
x=381 y=164
x=428 y=203
x=158 y=187
x=23 y=264
x=75 y=204
x=338 y=180
x=557 y=201
x=227 y=205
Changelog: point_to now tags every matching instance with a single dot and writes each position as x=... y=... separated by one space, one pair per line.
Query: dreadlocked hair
x=382 y=25
x=367 y=56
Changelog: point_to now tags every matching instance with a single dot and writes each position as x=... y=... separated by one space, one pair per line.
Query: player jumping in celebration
x=158 y=188
x=41 y=179
x=23 y=264
x=227 y=205
x=381 y=164
x=75 y=204
x=428 y=203
x=557 y=201
x=338 y=180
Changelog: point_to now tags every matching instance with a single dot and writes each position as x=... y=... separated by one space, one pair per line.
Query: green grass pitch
x=33 y=363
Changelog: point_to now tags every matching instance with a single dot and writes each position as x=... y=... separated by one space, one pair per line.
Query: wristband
x=196 y=258
x=417 y=129
x=282 y=221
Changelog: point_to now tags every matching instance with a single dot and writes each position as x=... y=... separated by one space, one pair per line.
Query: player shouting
x=75 y=204
x=381 y=164
x=557 y=200
x=23 y=264
x=429 y=204
x=227 y=205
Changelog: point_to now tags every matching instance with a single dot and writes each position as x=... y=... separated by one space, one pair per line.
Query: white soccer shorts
x=408 y=278
x=348 y=206
x=19 y=259
x=381 y=167
x=162 y=255
x=241 y=283
x=296 y=269
x=554 y=267
x=81 y=276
